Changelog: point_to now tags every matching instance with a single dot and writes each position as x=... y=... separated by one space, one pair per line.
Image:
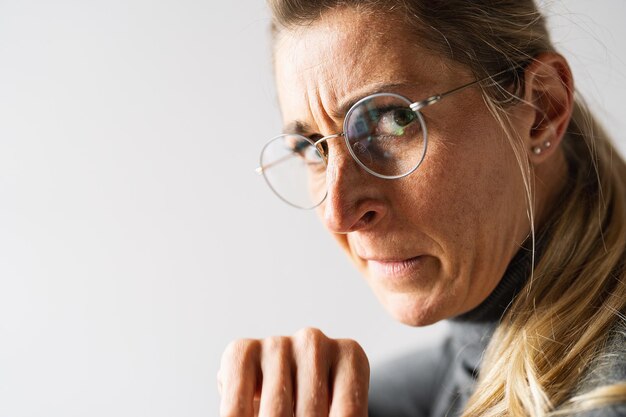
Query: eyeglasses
x=385 y=133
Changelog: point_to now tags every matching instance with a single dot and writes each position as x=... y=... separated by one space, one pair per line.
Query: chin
x=412 y=309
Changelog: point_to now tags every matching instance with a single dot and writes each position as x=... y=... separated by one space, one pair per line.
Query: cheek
x=461 y=194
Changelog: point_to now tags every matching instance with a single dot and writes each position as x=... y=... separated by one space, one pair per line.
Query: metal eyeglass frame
x=415 y=106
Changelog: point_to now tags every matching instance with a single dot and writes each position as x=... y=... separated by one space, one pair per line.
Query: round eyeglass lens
x=385 y=135
x=295 y=170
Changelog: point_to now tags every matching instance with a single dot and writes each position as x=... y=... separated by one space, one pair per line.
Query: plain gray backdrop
x=136 y=240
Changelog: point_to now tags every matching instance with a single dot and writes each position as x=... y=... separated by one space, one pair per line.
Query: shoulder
x=616 y=410
x=607 y=369
x=610 y=365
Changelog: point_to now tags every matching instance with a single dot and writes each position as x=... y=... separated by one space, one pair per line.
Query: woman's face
x=434 y=244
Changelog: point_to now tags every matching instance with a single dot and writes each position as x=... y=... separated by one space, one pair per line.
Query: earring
x=537 y=150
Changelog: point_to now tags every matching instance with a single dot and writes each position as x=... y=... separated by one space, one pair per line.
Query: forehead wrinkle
x=321 y=107
x=314 y=72
x=333 y=65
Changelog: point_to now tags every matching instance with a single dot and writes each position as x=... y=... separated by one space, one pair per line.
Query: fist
x=305 y=375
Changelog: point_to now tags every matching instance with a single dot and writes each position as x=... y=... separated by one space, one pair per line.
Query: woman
x=442 y=145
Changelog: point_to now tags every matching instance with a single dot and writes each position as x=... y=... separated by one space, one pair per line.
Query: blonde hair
x=562 y=319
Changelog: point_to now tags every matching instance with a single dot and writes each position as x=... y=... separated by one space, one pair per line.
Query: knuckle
x=277 y=344
x=350 y=347
x=312 y=344
x=310 y=333
x=312 y=352
x=310 y=336
x=240 y=350
x=352 y=351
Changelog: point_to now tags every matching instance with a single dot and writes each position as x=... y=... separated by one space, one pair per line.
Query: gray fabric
x=609 y=368
x=406 y=386
x=438 y=382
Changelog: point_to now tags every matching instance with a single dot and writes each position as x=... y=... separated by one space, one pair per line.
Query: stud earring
x=537 y=150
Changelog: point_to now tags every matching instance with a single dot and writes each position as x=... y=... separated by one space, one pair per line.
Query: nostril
x=365 y=220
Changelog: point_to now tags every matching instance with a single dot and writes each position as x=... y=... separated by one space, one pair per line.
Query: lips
x=388 y=260
x=395 y=269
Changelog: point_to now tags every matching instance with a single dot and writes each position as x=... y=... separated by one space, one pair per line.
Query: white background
x=136 y=239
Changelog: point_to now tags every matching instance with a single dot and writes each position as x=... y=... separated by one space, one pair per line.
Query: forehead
x=347 y=54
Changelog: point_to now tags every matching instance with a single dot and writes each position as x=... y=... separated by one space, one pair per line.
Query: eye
x=392 y=121
x=322 y=147
x=304 y=149
x=297 y=145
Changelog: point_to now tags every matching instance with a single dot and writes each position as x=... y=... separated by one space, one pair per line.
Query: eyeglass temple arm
x=260 y=169
x=437 y=97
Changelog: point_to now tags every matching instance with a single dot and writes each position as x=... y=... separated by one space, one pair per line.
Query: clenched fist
x=307 y=374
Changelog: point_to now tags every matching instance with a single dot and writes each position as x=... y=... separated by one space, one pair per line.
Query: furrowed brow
x=346 y=103
x=302 y=128
x=298 y=127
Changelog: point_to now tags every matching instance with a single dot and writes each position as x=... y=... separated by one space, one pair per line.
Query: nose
x=354 y=197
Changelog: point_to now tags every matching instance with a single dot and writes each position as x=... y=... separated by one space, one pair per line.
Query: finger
x=311 y=353
x=277 y=368
x=349 y=377
x=239 y=376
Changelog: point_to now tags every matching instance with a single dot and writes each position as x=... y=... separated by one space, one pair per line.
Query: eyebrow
x=382 y=87
x=303 y=128
x=299 y=127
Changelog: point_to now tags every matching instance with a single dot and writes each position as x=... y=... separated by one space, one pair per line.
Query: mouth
x=403 y=269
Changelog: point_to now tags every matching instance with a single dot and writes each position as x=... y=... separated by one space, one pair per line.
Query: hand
x=305 y=375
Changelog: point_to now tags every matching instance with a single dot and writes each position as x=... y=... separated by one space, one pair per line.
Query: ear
x=549 y=89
